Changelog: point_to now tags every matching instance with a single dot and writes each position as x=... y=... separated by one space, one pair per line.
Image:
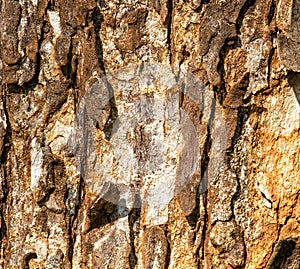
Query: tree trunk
x=150 y=134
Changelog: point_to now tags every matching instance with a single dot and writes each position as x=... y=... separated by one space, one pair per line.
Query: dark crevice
x=242 y=13
x=272 y=51
x=46 y=197
x=103 y=213
x=21 y=59
x=229 y=44
x=169 y=28
x=3 y=228
x=235 y=196
x=27 y=258
x=197 y=231
x=265 y=197
x=271 y=12
x=4 y=158
x=8 y=134
x=35 y=80
x=245 y=250
x=80 y=194
x=181 y=95
x=184 y=55
x=133 y=51
x=204 y=181
x=283 y=250
x=101 y=3
x=30 y=85
x=69 y=218
x=14 y=88
x=211 y=38
x=107 y=207
x=195 y=215
x=207 y=147
x=220 y=92
x=110 y=125
x=51 y=5
x=273 y=33
x=71 y=239
x=73 y=77
x=97 y=18
x=243 y=86
x=200 y=7
x=205 y=226
x=203 y=186
x=72 y=219
x=243 y=115
x=294 y=82
x=279 y=227
x=168 y=254
x=67 y=69
x=74 y=83
x=182 y=86
x=133 y=218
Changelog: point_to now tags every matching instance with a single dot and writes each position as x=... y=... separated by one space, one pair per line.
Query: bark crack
x=3 y=161
x=168 y=253
x=169 y=21
x=229 y=44
x=242 y=13
x=271 y=12
x=27 y=258
x=205 y=226
x=133 y=218
x=97 y=18
x=201 y=5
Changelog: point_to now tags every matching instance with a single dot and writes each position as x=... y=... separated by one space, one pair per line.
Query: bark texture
x=55 y=213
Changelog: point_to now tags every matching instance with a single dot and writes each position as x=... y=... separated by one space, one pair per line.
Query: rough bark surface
x=55 y=214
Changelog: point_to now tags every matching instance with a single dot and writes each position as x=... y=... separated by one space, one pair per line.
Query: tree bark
x=150 y=134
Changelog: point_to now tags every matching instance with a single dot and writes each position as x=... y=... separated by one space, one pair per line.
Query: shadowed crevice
x=97 y=18
x=294 y=81
x=286 y=255
x=243 y=115
x=271 y=12
x=133 y=217
x=229 y=44
x=7 y=144
x=168 y=252
x=242 y=13
x=107 y=207
x=201 y=5
x=169 y=20
x=27 y=258
x=205 y=227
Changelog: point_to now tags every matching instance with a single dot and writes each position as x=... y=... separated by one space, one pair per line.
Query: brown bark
x=236 y=108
